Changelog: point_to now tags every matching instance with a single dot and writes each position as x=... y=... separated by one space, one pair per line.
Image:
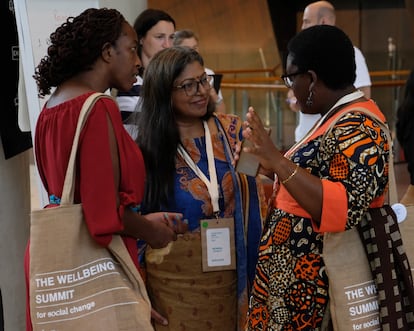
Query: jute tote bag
x=407 y=227
x=75 y=284
x=358 y=290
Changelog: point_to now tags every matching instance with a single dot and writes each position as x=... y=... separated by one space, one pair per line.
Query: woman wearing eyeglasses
x=203 y=283
x=187 y=37
x=325 y=182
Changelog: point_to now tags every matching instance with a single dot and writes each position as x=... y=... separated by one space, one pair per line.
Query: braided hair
x=76 y=45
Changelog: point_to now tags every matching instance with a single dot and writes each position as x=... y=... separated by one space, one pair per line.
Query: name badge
x=217 y=244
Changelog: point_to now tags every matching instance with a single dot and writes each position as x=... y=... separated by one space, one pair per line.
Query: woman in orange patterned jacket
x=325 y=182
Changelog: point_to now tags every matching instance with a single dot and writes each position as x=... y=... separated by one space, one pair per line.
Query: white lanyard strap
x=212 y=184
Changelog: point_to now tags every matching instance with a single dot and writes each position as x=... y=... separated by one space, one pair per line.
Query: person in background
x=155 y=29
x=323 y=12
x=188 y=38
x=91 y=53
x=405 y=135
x=188 y=152
x=319 y=181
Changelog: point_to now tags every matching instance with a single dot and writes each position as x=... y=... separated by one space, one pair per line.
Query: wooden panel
x=231 y=32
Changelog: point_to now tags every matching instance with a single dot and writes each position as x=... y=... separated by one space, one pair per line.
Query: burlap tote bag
x=75 y=284
x=353 y=298
x=407 y=227
x=369 y=296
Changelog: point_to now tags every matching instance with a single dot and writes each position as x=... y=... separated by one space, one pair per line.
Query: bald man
x=323 y=12
x=318 y=13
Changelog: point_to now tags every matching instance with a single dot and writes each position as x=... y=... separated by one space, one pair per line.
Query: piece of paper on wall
x=36 y=20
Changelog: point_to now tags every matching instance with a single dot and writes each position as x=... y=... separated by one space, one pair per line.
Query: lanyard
x=211 y=184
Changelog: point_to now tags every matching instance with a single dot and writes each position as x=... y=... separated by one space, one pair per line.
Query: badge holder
x=217 y=244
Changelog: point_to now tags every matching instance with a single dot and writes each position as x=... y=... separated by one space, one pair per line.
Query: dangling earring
x=309 y=100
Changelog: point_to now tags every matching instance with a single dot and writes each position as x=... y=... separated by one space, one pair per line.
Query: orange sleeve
x=334 y=208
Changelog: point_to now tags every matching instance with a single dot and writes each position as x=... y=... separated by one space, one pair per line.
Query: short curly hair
x=326 y=50
x=76 y=45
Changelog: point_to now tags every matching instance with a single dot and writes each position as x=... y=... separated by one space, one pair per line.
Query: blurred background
x=246 y=40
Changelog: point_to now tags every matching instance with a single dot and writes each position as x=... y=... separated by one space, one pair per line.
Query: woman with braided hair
x=89 y=53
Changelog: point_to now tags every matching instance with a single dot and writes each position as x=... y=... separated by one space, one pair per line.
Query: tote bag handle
x=69 y=183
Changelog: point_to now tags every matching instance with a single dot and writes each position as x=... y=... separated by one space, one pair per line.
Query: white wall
x=36 y=19
x=129 y=8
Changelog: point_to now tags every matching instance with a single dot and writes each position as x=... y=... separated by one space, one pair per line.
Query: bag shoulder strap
x=392 y=190
x=69 y=183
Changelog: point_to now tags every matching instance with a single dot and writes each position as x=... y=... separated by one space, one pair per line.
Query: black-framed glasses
x=192 y=85
x=287 y=78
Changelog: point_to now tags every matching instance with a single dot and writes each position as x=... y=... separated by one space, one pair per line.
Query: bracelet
x=291 y=175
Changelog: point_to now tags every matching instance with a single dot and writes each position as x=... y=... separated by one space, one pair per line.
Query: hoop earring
x=309 y=100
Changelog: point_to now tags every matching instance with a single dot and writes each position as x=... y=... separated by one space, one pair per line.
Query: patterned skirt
x=290 y=291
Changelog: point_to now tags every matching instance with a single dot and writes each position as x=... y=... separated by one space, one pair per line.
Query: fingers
x=175 y=222
x=182 y=226
x=236 y=155
x=252 y=126
x=158 y=318
x=254 y=121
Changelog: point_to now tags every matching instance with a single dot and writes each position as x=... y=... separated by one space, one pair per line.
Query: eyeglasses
x=191 y=87
x=287 y=78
